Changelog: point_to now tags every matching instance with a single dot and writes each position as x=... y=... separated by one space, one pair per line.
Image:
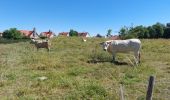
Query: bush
x=73 y=33
x=12 y=33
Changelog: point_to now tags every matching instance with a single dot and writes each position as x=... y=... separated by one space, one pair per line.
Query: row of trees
x=157 y=30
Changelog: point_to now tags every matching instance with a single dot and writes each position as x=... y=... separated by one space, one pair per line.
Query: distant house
x=115 y=37
x=1 y=34
x=99 y=36
x=83 y=34
x=64 y=34
x=48 y=34
x=26 y=33
x=29 y=34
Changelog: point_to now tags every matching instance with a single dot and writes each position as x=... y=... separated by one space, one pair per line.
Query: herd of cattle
x=111 y=46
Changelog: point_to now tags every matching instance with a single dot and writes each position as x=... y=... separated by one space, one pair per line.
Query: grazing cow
x=41 y=44
x=123 y=46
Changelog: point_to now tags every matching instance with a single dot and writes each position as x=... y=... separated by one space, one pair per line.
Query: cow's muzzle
x=105 y=49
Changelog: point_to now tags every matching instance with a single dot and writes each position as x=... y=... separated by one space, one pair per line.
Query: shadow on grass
x=102 y=61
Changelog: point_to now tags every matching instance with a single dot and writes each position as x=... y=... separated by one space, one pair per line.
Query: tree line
x=154 y=31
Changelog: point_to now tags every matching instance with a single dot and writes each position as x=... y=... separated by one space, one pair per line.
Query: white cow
x=123 y=46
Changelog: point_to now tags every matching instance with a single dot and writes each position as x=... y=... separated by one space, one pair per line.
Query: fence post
x=150 y=88
x=121 y=93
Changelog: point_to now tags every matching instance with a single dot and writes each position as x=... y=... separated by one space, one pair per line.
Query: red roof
x=83 y=34
x=47 y=34
x=64 y=33
x=26 y=33
x=115 y=37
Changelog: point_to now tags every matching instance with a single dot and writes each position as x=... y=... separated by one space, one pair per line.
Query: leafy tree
x=109 y=33
x=137 y=31
x=152 y=32
x=73 y=33
x=123 y=32
x=146 y=33
x=166 y=33
x=159 y=29
x=141 y=32
x=12 y=33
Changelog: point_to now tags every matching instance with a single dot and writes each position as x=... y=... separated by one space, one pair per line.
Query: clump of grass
x=75 y=71
x=88 y=90
x=93 y=89
x=98 y=55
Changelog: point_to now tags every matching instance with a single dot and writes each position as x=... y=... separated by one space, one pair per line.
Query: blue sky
x=93 y=16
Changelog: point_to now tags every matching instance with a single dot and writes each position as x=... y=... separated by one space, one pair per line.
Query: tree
x=159 y=29
x=166 y=33
x=123 y=32
x=137 y=31
x=152 y=32
x=73 y=33
x=146 y=33
x=12 y=33
x=140 y=32
x=109 y=33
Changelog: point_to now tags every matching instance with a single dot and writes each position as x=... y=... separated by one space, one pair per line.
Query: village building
x=114 y=37
x=83 y=34
x=1 y=34
x=64 y=34
x=29 y=34
x=48 y=34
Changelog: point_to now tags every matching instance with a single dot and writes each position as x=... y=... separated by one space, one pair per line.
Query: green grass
x=81 y=70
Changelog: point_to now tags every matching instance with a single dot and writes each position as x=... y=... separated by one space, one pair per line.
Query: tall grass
x=80 y=70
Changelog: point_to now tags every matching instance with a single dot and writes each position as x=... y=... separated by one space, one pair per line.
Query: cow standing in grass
x=123 y=46
x=41 y=44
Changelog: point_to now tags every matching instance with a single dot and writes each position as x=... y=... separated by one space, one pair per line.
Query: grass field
x=81 y=70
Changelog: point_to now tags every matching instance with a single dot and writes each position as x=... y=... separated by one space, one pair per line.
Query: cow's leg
x=113 y=60
x=137 y=57
x=48 y=49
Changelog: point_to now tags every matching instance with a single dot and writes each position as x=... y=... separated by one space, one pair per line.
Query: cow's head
x=105 y=45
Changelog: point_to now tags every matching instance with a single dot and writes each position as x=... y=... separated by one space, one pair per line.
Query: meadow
x=77 y=70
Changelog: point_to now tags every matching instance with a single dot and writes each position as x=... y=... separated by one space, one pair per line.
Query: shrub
x=12 y=33
x=73 y=33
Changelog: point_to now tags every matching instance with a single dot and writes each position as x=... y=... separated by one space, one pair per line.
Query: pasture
x=81 y=70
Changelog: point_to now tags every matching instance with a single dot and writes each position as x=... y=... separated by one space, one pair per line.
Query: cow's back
x=135 y=44
x=126 y=45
